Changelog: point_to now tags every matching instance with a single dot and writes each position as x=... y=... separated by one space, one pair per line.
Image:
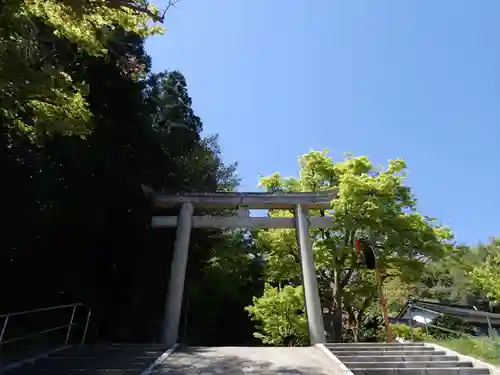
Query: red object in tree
x=358 y=249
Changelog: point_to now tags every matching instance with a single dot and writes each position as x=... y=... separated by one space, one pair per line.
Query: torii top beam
x=317 y=200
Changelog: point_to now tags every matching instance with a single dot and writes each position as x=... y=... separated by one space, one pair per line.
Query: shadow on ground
x=208 y=361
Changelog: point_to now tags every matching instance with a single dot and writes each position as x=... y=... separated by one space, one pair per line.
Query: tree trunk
x=337 y=302
x=353 y=323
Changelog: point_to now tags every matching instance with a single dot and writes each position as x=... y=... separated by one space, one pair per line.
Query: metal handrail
x=42 y=309
x=477 y=313
x=69 y=326
x=435 y=326
x=495 y=343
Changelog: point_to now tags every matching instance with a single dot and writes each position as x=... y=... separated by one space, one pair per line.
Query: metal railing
x=8 y=317
x=427 y=324
x=483 y=347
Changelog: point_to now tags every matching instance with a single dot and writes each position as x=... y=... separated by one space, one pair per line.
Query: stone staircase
x=401 y=359
x=132 y=359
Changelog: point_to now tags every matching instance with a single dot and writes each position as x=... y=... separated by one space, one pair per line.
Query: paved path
x=246 y=361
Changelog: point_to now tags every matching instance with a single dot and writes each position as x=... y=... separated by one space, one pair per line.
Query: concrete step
x=95 y=359
x=98 y=349
x=33 y=370
x=134 y=345
x=99 y=353
x=391 y=358
x=423 y=371
x=335 y=344
x=93 y=362
x=394 y=353
x=388 y=348
x=421 y=364
x=142 y=354
x=401 y=359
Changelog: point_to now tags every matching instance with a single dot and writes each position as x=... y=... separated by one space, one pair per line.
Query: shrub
x=280 y=316
x=403 y=331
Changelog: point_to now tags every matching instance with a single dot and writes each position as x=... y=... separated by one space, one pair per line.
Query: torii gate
x=298 y=202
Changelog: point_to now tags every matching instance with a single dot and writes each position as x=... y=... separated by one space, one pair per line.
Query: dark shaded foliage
x=76 y=219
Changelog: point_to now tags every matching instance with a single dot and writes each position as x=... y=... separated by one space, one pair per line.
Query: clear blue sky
x=417 y=79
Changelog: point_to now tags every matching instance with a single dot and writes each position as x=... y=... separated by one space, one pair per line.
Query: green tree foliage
x=372 y=203
x=226 y=284
x=454 y=279
x=486 y=278
x=282 y=255
x=398 y=292
x=280 y=316
x=445 y=280
x=38 y=92
x=358 y=298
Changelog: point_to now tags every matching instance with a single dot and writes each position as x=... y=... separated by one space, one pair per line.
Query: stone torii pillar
x=311 y=292
x=178 y=266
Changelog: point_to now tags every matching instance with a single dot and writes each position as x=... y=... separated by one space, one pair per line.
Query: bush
x=403 y=331
x=280 y=315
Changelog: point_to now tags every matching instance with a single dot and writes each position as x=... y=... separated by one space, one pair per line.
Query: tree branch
x=347 y=277
x=134 y=6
